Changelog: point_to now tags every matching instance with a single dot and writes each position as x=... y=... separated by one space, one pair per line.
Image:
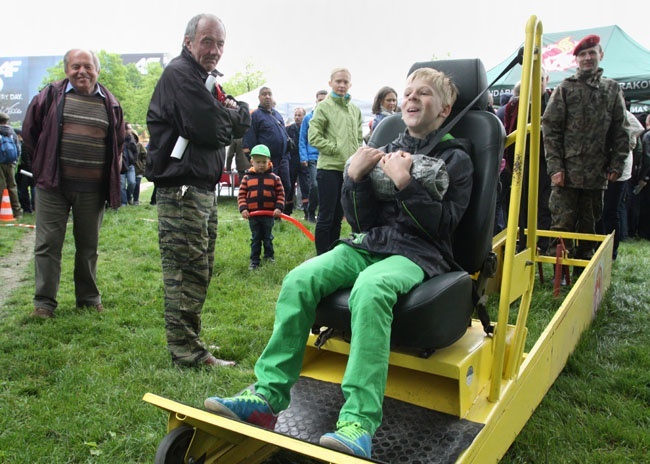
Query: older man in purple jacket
x=74 y=129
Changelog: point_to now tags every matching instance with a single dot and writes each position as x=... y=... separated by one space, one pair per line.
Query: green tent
x=625 y=61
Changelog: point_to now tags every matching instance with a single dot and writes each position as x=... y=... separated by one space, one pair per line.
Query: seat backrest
x=473 y=236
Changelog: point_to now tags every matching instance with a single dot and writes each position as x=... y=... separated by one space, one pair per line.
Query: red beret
x=587 y=42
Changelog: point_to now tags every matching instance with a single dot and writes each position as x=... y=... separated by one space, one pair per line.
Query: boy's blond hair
x=441 y=84
x=337 y=70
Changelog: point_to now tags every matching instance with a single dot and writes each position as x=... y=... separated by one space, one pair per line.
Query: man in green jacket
x=335 y=130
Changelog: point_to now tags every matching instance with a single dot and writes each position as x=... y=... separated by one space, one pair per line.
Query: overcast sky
x=297 y=42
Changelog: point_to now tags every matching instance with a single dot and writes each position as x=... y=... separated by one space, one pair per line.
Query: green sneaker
x=349 y=438
x=248 y=407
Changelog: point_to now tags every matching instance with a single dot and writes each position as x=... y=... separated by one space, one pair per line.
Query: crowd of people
x=83 y=156
x=594 y=159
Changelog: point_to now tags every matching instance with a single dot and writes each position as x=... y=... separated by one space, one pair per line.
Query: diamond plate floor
x=409 y=434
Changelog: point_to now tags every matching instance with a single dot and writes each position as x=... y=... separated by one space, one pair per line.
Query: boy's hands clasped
x=396 y=165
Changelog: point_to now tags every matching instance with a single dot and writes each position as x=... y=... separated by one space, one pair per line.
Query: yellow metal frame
x=487 y=380
x=228 y=441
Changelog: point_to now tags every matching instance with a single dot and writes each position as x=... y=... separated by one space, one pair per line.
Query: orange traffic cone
x=6 y=213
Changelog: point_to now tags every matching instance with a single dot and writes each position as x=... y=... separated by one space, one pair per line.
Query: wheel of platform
x=173 y=447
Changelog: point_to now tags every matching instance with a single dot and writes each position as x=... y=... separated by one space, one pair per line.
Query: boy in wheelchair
x=396 y=244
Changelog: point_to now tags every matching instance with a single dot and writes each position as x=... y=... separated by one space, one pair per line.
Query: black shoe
x=269 y=259
x=253 y=266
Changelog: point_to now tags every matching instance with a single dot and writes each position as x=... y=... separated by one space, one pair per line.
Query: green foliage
x=142 y=87
x=243 y=82
x=55 y=73
x=113 y=74
x=71 y=388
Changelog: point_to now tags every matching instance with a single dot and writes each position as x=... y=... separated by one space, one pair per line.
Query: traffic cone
x=6 y=213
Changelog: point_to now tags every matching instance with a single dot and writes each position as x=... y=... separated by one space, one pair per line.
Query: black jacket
x=129 y=152
x=181 y=105
x=413 y=225
x=641 y=167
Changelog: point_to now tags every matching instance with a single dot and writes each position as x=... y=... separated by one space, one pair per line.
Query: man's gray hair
x=66 y=58
x=190 y=30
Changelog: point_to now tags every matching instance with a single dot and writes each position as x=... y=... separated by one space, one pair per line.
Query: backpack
x=8 y=150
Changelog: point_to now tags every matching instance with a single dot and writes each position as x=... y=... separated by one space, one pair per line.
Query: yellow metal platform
x=465 y=403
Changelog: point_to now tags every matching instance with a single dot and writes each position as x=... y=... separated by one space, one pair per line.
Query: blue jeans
x=261 y=234
x=127 y=181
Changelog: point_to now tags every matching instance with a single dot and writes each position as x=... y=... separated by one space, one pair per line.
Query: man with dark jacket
x=185 y=109
x=267 y=128
x=295 y=171
x=74 y=130
x=129 y=159
x=641 y=191
x=24 y=182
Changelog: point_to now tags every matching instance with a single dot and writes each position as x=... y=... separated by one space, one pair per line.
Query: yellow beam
x=533 y=37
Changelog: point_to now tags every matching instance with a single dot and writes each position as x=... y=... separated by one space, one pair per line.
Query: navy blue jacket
x=267 y=127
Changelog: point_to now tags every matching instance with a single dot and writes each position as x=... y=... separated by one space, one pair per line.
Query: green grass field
x=71 y=388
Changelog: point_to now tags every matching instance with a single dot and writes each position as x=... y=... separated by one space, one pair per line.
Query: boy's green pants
x=376 y=282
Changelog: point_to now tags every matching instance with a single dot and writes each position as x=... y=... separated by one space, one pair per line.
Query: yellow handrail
x=528 y=105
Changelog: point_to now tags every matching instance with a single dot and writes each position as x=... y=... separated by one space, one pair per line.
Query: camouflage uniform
x=187 y=232
x=585 y=136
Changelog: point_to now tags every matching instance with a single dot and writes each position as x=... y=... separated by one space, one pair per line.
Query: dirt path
x=14 y=266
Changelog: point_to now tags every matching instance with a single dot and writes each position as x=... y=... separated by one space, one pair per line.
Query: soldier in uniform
x=586 y=141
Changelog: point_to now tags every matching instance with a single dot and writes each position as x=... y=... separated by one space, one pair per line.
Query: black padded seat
x=437 y=312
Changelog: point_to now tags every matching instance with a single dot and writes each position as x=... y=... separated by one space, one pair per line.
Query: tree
x=243 y=82
x=141 y=96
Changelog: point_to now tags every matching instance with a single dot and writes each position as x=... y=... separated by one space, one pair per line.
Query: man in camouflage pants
x=182 y=105
x=586 y=141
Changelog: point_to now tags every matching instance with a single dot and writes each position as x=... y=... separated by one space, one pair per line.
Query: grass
x=71 y=388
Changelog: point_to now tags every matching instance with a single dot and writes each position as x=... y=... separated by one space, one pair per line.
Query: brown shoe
x=43 y=313
x=99 y=307
x=212 y=361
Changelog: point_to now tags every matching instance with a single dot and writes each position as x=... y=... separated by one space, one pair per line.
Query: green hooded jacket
x=335 y=130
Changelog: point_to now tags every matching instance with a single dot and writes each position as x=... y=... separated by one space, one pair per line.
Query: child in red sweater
x=261 y=190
